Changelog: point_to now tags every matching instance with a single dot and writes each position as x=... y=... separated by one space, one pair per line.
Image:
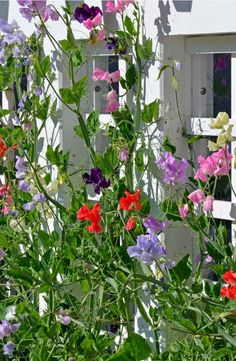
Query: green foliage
x=151 y=112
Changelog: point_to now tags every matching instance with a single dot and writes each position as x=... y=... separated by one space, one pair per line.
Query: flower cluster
x=147 y=249
x=217 y=164
x=174 y=170
x=6 y=330
x=31 y=8
x=225 y=135
x=96 y=179
x=90 y=17
x=92 y=215
x=229 y=291
x=6 y=200
x=154 y=226
x=99 y=74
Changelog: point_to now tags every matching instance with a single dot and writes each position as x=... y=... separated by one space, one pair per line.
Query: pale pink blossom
x=208 y=204
x=99 y=74
x=197 y=196
x=120 y=6
x=183 y=210
x=112 y=104
x=101 y=34
x=115 y=76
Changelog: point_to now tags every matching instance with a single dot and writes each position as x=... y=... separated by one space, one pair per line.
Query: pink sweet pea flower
x=99 y=74
x=197 y=196
x=102 y=34
x=119 y=7
x=112 y=104
x=92 y=23
x=183 y=210
x=115 y=76
x=208 y=204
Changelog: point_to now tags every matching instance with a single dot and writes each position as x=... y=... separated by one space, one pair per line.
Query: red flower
x=3 y=147
x=92 y=215
x=229 y=292
x=224 y=292
x=131 y=201
x=130 y=224
x=230 y=277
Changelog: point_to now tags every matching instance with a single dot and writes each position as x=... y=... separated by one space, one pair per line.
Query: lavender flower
x=2 y=254
x=153 y=225
x=30 y=206
x=174 y=170
x=20 y=164
x=24 y=186
x=84 y=12
x=8 y=349
x=8 y=28
x=31 y=8
x=96 y=179
x=148 y=248
x=40 y=197
x=123 y=154
x=38 y=91
x=65 y=320
x=22 y=103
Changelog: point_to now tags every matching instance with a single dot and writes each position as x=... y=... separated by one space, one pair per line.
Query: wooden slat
x=224 y=210
x=200 y=126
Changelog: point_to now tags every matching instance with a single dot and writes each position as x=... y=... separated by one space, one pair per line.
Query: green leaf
x=222 y=352
x=43 y=67
x=4 y=112
x=77 y=56
x=80 y=88
x=42 y=108
x=170 y=208
x=51 y=154
x=150 y=112
x=229 y=338
x=145 y=50
x=131 y=76
x=187 y=324
x=139 y=159
x=93 y=124
x=67 y=95
x=163 y=68
x=108 y=161
x=66 y=46
x=182 y=271
x=194 y=139
x=168 y=146
x=129 y=25
x=140 y=348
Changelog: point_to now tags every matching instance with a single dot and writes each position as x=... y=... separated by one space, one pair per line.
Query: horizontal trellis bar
x=200 y=126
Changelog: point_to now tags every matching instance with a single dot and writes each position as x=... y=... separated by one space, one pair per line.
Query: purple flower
x=30 y=206
x=65 y=320
x=24 y=186
x=153 y=225
x=96 y=179
x=148 y=248
x=5 y=329
x=27 y=61
x=8 y=28
x=20 y=164
x=2 y=254
x=174 y=170
x=15 y=327
x=206 y=259
x=2 y=59
x=8 y=349
x=84 y=12
x=123 y=154
x=20 y=174
x=40 y=197
x=33 y=7
x=38 y=91
x=22 y=103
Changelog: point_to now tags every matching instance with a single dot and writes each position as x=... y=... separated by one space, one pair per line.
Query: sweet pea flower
x=153 y=226
x=24 y=186
x=96 y=179
x=39 y=197
x=40 y=7
x=147 y=249
x=130 y=224
x=183 y=210
x=90 y=24
x=112 y=104
x=119 y=7
x=221 y=120
x=208 y=204
x=197 y=196
x=124 y=154
x=65 y=320
x=174 y=170
x=8 y=349
x=20 y=164
x=2 y=254
x=30 y=206
x=99 y=74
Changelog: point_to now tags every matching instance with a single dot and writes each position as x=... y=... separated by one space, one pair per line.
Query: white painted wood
x=233 y=143
x=224 y=210
x=200 y=126
x=211 y=44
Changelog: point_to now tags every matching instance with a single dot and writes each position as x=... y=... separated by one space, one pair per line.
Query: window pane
x=221 y=83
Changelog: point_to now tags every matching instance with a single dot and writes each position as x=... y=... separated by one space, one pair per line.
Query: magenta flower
x=96 y=179
x=183 y=210
x=153 y=226
x=197 y=196
x=217 y=164
x=174 y=170
x=112 y=104
x=208 y=204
